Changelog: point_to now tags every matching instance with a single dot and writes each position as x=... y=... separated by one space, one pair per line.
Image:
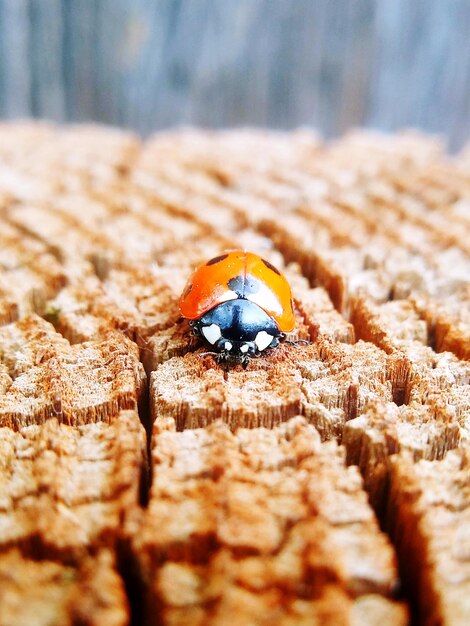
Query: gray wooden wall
x=148 y=64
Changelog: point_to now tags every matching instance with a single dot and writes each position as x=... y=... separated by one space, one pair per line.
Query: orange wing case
x=261 y=283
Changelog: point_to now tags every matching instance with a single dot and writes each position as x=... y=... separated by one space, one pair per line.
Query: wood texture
x=263 y=526
x=64 y=491
x=326 y=483
x=330 y=64
x=47 y=592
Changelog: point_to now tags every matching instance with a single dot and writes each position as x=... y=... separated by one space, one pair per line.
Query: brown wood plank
x=98 y=234
x=429 y=517
x=64 y=490
x=267 y=525
x=47 y=592
x=77 y=384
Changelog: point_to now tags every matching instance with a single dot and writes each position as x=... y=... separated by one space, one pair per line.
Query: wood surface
x=140 y=482
x=150 y=64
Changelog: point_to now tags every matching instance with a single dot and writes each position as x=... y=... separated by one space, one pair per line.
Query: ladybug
x=240 y=304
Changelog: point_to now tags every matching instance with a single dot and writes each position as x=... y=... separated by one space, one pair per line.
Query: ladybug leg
x=275 y=342
x=223 y=359
x=195 y=328
x=292 y=342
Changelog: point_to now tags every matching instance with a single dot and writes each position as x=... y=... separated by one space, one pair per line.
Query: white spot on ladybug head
x=211 y=333
x=227 y=346
x=263 y=339
x=244 y=348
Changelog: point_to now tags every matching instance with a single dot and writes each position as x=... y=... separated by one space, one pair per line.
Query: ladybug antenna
x=297 y=342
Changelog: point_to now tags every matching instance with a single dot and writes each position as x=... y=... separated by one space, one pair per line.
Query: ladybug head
x=237 y=330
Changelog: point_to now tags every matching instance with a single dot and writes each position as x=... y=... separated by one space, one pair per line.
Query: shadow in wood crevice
x=134 y=587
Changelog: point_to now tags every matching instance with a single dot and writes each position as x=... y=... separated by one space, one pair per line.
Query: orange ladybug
x=240 y=304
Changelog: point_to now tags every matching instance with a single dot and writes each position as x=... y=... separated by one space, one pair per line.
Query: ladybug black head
x=237 y=330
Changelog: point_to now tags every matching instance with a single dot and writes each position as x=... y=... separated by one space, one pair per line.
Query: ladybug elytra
x=240 y=304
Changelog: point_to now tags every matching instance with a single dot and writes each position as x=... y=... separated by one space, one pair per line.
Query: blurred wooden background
x=147 y=64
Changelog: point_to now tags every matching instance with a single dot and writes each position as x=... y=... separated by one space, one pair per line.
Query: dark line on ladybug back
x=187 y=291
x=217 y=259
x=271 y=266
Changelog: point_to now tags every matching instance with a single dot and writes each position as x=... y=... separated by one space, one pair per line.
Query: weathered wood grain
x=46 y=592
x=85 y=383
x=98 y=233
x=264 y=526
x=429 y=514
x=64 y=491
x=331 y=64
